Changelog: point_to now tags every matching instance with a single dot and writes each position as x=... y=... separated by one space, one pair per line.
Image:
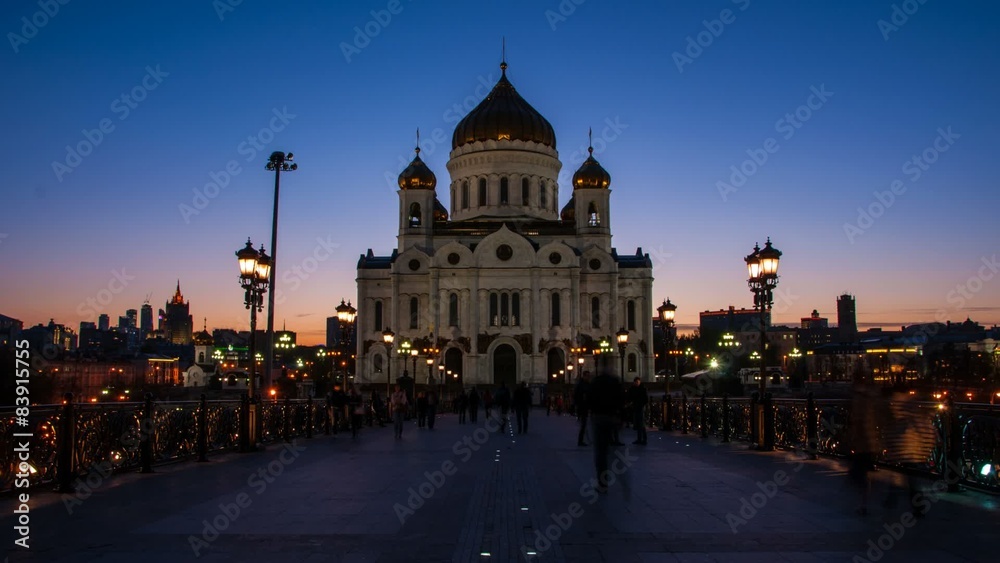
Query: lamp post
x=622 y=336
x=430 y=369
x=413 y=354
x=279 y=162
x=388 y=336
x=666 y=313
x=441 y=380
x=762 y=267
x=346 y=315
x=255 y=269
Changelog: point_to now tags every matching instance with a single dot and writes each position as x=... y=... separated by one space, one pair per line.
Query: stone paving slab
x=516 y=498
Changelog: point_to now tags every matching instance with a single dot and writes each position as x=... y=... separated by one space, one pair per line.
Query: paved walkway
x=335 y=499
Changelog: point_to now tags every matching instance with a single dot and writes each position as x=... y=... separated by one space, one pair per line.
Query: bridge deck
x=335 y=499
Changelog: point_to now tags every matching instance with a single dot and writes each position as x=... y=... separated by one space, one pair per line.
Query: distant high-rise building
x=124 y=323
x=9 y=329
x=847 y=318
x=732 y=320
x=161 y=320
x=814 y=321
x=133 y=317
x=179 y=325
x=146 y=319
x=104 y=322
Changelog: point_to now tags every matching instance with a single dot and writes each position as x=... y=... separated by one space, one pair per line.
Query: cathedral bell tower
x=590 y=207
x=418 y=204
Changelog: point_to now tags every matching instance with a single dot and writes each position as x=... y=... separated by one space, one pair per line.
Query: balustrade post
x=309 y=417
x=245 y=423
x=286 y=415
x=149 y=435
x=203 y=429
x=754 y=399
x=953 y=448
x=768 y=422
x=66 y=447
x=704 y=416
x=684 y=413
x=725 y=417
x=812 y=426
x=669 y=414
x=329 y=414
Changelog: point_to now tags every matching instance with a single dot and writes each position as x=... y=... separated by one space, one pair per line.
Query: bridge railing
x=61 y=443
x=958 y=441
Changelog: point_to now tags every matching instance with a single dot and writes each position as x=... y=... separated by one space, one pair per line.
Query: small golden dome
x=440 y=213
x=591 y=174
x=417 y=176
x=568 y=213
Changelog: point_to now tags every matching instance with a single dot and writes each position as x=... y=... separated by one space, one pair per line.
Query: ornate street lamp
x=388 y=336
x=622 y=336
x=346 y=315
x=430 y=369
x=279 y=162
x=255 y=270
x=762 y=267
x=666 y=314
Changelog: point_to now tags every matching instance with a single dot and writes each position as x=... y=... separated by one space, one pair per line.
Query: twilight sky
x=880 y=142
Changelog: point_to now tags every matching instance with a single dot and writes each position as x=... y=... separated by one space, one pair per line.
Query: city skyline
x=714 y=139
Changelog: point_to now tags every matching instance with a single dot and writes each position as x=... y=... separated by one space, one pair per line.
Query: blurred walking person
x=605 y=399
x=582 y=408
x=638 y=398
x=398 y=404
x=522 y=405
x=863 y=437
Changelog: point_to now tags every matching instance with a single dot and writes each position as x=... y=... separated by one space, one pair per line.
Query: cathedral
x=505 y=287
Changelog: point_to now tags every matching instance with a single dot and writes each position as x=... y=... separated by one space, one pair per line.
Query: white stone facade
x=507 y=285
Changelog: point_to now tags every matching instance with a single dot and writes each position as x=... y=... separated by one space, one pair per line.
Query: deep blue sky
x=354 y=122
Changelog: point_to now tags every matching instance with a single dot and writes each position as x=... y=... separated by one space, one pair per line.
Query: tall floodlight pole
x=279 y=162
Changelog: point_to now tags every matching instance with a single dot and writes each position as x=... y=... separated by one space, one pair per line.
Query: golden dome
x=591 y=174
x=503 y=115
x=417 y=176
x=440 y=213
x=568 y=213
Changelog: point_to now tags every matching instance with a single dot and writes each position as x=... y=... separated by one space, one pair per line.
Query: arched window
x=482 y=191
x=595 y=312
x=593 y=217
x=555 y=198
x=453 y=309
x=414 y=312
x=504 y=191
x=543 y=196
x=630 y=315
x=555 y=310
x=633 y=363
x=414 y=214
x=201 y=357
x=525 y=192
x=377 y=363
x=465 y=195
x=515 y=308
x=504 y=309
x=555 y=362
x=378 y=315
x=494 y=310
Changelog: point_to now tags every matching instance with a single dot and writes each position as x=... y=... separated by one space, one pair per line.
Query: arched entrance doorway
x=453 y=367
x=505 y=365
